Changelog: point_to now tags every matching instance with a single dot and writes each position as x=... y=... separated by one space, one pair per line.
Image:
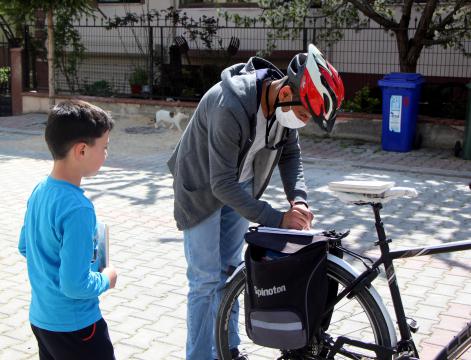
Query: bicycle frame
x=406 y=344
x=405 y=347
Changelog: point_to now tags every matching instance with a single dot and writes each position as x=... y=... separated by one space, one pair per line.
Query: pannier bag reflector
x=274 y=327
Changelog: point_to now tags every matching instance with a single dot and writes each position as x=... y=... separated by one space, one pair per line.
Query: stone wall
x=435 y=133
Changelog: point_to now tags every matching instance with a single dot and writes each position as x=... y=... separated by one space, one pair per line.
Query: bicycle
x=356 y=323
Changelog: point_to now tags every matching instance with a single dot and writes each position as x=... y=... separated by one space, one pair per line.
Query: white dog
x=170 y=117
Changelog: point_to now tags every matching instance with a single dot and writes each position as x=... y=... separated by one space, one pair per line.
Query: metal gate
x=6 y=37
x=5 y=83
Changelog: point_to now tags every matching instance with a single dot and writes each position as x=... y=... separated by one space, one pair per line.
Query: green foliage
x=205 y=29
x=287 y=18
x=20 y=11
x=69 y=50
x=126 y=20
x=362 y=102
x=138 y=76
x=78 y=6
x=441 y=23
x=98 y=88
x=4 y=75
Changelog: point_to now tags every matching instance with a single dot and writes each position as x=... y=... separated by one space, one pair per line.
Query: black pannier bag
x=285 y=295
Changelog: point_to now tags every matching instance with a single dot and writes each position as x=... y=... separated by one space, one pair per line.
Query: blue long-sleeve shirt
x=57 y=241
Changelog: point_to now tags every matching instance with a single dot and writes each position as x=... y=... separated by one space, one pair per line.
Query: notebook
x=101 y=252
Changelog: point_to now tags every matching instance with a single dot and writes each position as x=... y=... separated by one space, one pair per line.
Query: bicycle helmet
x=318 y=84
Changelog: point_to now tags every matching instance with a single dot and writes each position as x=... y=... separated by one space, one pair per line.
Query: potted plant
x=137 y=79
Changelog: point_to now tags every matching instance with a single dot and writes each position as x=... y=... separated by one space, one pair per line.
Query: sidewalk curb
x=386 y=167
x=21 y=131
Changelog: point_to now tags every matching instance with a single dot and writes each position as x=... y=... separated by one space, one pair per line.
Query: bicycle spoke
x=366 y=326
x=359 y=314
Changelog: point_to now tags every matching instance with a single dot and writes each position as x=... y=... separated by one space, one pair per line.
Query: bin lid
x=402 y=80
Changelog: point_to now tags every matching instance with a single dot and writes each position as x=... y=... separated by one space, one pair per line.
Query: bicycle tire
x=380 y=327
x=458 y=346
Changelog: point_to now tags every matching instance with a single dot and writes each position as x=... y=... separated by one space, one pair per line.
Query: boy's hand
x=110 y=271
x=298 y=217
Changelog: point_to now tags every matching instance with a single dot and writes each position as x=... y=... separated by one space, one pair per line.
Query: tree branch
x=334 y=10
x=6 y=28
x=425 y=20
x=406 y=11
x=443 y=40
x=449 y=18
x=368 y=11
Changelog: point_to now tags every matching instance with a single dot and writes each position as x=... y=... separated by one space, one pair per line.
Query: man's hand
x=298 y=217
x=110 y=271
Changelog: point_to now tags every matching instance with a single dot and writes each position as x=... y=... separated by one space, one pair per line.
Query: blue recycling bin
x=401 y=94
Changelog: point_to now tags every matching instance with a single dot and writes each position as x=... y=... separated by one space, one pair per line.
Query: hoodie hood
x=239 y=77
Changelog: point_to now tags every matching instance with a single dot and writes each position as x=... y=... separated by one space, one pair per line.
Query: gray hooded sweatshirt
x=207 y=161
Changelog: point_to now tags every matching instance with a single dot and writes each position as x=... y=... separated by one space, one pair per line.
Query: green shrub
x=4 y=75
x=363 y=102
x=98 y=88
x=138 y=76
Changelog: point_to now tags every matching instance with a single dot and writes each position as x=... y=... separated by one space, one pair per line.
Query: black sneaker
x=237 y=355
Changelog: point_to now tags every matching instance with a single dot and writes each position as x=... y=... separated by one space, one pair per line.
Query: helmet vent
x=326 y=103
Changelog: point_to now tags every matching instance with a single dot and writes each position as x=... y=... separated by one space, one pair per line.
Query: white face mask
x=288 y=119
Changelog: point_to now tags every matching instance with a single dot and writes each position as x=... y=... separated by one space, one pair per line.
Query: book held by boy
x=101 y=251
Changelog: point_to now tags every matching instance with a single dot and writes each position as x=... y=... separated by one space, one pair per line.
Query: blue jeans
x=211 y=248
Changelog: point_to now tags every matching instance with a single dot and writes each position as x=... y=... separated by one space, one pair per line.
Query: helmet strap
x=271 y=116
x=288 y=103
x=267 y=101
x=271 y=120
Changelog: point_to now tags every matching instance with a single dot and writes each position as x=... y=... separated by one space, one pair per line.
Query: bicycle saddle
x=365 y=192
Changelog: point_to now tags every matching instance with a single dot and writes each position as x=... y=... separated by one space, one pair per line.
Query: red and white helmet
x=319 y=86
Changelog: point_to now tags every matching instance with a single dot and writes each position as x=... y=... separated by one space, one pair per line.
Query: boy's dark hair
x=74 y=121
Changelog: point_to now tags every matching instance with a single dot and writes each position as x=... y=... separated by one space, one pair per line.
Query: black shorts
x=91 y=343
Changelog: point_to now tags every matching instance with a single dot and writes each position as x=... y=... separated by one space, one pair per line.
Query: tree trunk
x=408 y=68
x=50 y=57
x=408 y=56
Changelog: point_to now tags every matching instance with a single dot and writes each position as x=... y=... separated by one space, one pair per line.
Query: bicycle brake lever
x=334 y=235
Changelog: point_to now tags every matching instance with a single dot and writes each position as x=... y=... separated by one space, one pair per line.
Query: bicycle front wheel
x=359 y=318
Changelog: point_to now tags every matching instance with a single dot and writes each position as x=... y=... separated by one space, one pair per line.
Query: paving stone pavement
x=147 y=310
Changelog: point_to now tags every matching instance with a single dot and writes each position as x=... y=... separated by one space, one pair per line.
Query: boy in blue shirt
x=57 y=239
